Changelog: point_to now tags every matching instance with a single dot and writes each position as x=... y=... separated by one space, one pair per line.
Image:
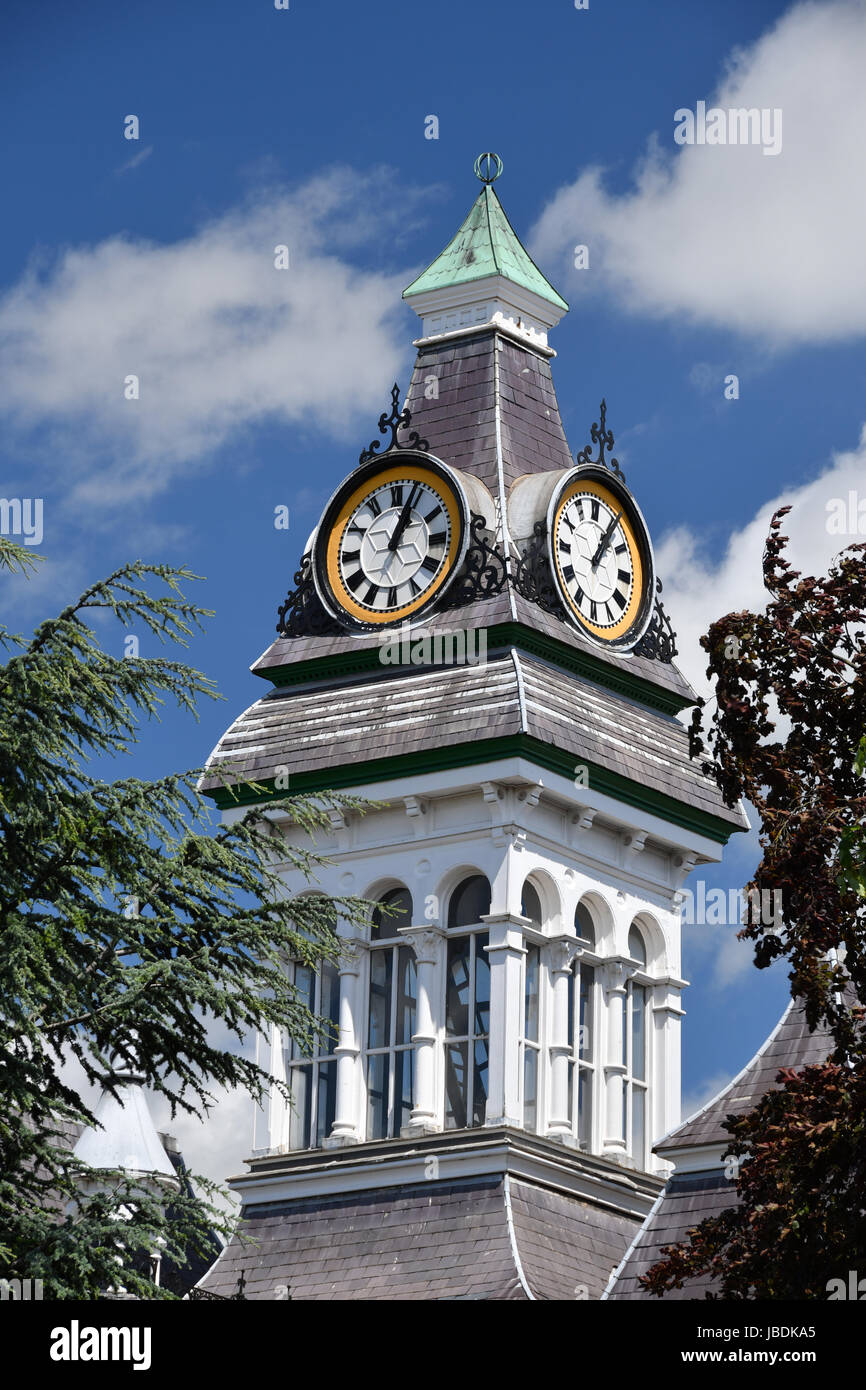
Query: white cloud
x=136 y=159
x=724 y=235
x=219 y=338
x=703 y=1093
x=698 y=589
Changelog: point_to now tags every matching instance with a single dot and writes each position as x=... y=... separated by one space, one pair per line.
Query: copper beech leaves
x=788 y=735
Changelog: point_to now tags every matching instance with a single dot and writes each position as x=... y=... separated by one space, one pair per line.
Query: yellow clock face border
x=407 y=468
x=629 y=627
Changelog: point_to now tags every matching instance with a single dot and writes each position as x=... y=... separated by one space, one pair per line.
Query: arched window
x=470 y=901
x=634 y=1055
x=584 y=925
x=467 y=1005
x=530 y=904
x=583 y=1044
x=311 y=1066
x=637 y=945
x=531 y=1039
x=390 y=1018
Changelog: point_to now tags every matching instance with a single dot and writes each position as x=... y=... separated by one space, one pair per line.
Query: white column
x=560 y=954
x=614 y=979
x=667 y=1013
x=505 y=953
x=428 y=944
x=345 y=1129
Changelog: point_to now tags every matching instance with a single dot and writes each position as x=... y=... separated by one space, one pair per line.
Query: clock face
x=389 y=542
x=602 y=559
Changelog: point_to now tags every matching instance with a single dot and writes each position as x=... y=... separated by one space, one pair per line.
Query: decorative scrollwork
x=302 y=614
x=397 y=420
x=532 y=577
x=484 y=572
x=659 y=642
x=603 y=437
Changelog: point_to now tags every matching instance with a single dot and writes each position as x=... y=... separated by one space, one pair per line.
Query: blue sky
x=306 y=126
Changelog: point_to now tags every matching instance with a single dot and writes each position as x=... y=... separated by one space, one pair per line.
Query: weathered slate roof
x=686 y=1201
x=491 y=1237
x=484 y=244
x=689 y=1198
x=302 y=730
x=789 y=1045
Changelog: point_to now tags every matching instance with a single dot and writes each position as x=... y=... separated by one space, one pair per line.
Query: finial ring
x=488 y=167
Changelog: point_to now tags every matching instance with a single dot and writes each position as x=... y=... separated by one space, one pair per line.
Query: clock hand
x=402 y=521
x=605 y=541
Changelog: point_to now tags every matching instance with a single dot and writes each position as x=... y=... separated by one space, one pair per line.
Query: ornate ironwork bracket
x=603 y=437
x=302 y=614
x=484 y=572
x=532 y=577
x=659 y=642
x=397 y=420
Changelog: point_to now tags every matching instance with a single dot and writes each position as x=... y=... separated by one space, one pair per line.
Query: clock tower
x=474 y=640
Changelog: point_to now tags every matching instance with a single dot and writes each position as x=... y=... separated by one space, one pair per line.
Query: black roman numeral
x=620 y=549
x=608 y=613
x=568 y=573
x=594 y=509
x=429 y=564
x=351 y=556
x=392 y=597
x=619 y=599
x=354 y=581
x=435 y=512
x=370 y=596
x=565 y=547
x=416 y=588
x=439 y=538
x=593 y=612
x=623 y=576
x=396 y=494
x=373 y=504
x=359 y=530
x=579 y=505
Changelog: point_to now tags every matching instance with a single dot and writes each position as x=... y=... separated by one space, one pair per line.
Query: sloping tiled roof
x=689 y=1198
x=686 y=1201
x=428 y=709
x=484 y=244
x=491 y=1238
x=789 y=1045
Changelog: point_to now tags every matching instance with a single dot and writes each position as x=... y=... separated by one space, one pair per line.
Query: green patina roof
x=486 y=244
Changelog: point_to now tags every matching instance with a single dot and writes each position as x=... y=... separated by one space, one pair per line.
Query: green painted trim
x=342 y=664
x=441 y=759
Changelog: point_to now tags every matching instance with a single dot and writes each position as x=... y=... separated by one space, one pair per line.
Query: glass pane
x=570 y=1087
x=379 y=1023
x=586 y=1042
x=326 y=1100
x=530 y=904
x=404 y=1070
x=636 y=946
x=377 y=1096
x=638 y=1124
x=482 y=984
x=638 y=1032
x=305 y=984
x=329 y=1006
x=584 y=925
x=530 y=1000
x=386 y=924
x=457 y=1000
x=530 y=1088
x=299 y=1118
x=455 y=1086
x=584 y=1108
x=479 y=1083
x=406 y=994
x=470 y=901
